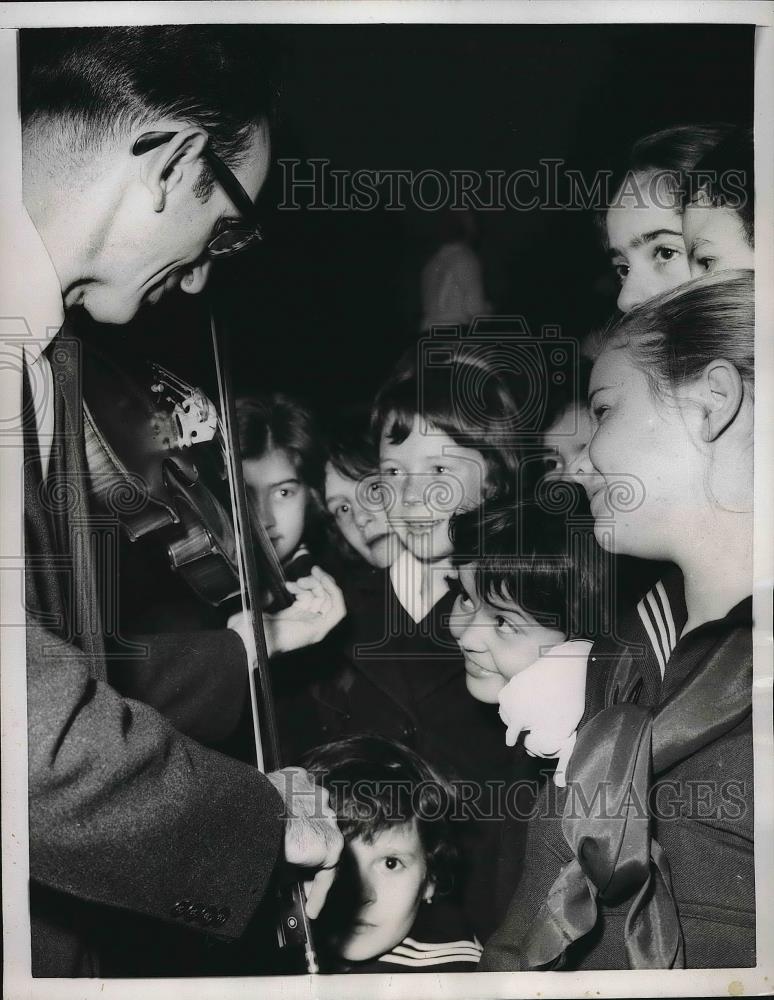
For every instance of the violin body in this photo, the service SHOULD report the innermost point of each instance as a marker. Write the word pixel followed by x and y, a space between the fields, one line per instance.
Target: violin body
pixel 143 468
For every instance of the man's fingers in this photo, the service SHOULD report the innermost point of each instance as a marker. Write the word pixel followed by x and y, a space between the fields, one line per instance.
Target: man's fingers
pixel 317 891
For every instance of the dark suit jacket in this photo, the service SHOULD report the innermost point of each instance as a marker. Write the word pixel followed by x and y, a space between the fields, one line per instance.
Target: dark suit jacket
pixel 125 812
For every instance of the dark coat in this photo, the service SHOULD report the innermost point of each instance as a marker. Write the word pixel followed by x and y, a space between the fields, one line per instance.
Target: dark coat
pixel 125 813
pixel 703 820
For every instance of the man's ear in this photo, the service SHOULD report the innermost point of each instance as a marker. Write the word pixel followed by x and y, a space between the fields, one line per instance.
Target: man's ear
pixel 163 168
pixel 723 394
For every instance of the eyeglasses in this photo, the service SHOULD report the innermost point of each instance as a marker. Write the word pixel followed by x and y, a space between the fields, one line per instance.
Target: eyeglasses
pixel 231 235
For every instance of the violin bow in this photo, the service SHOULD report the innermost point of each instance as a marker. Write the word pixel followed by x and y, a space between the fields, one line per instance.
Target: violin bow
pixel 293 931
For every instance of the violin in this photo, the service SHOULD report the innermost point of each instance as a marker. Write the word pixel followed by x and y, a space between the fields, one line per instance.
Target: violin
pixel 157 459
pixel 163 459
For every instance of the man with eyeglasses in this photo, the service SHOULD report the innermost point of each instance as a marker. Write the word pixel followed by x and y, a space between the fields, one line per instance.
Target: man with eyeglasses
pixel 143 153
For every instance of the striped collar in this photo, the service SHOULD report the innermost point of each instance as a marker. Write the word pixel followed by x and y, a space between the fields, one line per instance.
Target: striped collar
pixel 663 616
pixel 418 955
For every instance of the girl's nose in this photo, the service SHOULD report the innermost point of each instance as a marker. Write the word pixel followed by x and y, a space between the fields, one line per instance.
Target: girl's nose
pixel 637 288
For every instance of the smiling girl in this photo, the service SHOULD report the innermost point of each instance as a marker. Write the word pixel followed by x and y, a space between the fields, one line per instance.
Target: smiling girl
pixel 671 396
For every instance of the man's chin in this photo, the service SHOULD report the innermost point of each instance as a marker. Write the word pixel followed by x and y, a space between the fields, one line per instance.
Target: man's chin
pixel 103 308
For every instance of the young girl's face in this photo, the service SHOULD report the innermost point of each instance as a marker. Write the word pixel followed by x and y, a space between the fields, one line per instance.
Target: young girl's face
pixel 566 441
pixel 715 239
pixel 647 460
pixel 498 640
pixel 426 479
pixel 358 510
pixel 392 873
pixel 645 239
pixel 278 499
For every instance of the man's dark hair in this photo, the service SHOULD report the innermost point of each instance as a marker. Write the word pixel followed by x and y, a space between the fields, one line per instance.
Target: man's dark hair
pixel 525 554
pixel 726 178
pixel 97 83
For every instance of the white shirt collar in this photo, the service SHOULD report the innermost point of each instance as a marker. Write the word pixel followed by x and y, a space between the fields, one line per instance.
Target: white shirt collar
pixel 418 585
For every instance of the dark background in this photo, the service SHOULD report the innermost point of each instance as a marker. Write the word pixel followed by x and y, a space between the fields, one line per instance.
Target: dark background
pixel 330 299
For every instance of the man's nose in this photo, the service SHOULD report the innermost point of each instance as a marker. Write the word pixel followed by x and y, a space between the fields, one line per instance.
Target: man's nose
pixel 195 278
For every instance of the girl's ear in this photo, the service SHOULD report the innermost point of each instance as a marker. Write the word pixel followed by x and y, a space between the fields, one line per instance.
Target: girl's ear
pixel 723 392
pixel 427 895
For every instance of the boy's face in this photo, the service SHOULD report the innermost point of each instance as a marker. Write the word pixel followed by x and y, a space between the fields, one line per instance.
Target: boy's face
pixel 393 877
pixel 427 478
pixel 714 238
pixel 498 640
pixel 278 499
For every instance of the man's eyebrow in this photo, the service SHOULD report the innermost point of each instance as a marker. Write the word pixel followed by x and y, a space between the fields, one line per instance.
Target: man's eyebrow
pixel 644 238
pixel 599 388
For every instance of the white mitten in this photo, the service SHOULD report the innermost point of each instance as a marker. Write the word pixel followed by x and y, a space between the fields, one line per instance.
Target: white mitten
pixel 547 699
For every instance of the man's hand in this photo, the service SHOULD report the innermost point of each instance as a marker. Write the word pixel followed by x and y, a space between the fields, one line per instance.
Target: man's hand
pixel 318 607
pixel 547 699
pixel 312 835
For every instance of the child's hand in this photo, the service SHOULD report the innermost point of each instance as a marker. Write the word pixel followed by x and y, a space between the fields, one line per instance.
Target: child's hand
pixel 318 607
pixel 547 700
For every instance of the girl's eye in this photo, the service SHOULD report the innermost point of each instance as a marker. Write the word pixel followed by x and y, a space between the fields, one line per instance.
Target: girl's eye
pixel 391 864
pixel 622 270
pixel 503 625
pixel 665 254
pixel 465 601
pixel 342 510
pixel 391 471
pixel 440 470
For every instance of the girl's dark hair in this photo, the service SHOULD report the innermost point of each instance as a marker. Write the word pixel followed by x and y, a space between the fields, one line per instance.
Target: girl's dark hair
pixel 550 565
pixel 664 157
pixel 278 421
pixel 352 450
pixel 465 395
pixel 725 176
pixel 673 337
pixel 375 783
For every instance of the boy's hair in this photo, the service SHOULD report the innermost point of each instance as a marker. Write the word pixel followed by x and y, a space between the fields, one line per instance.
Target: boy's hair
pixel 467 397
pixel 99 83
pixel 375 784
pixel 550 566
pixel 726 178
